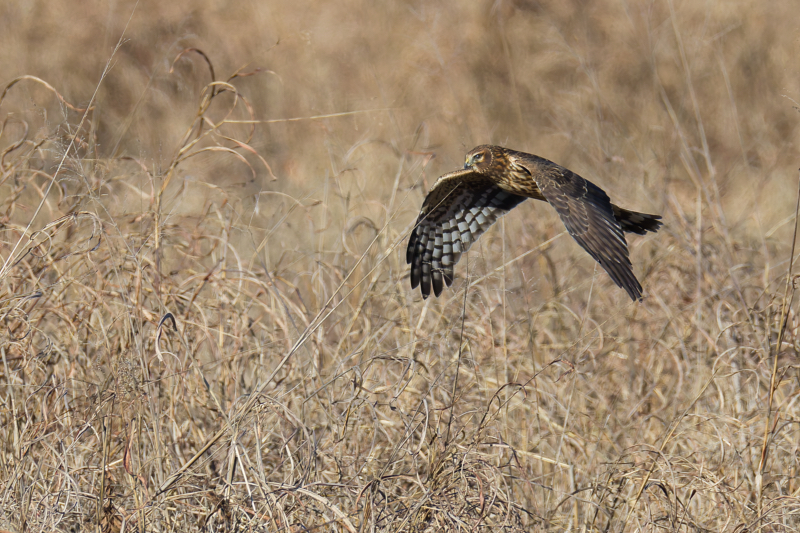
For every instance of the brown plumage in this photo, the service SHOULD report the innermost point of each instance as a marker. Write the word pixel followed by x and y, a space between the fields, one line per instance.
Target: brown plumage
pixel 463 204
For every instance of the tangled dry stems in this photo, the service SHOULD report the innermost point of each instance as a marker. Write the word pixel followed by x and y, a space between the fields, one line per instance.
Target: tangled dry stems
pixel 179 358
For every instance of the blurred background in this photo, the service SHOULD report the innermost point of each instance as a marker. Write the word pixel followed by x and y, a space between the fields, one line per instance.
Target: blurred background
pixel 272 219
pixel 630 94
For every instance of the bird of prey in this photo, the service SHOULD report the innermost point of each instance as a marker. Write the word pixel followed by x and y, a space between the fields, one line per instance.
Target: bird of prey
pixel 463 204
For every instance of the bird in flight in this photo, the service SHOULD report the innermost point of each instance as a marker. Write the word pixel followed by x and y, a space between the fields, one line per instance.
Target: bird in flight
pixel 463 204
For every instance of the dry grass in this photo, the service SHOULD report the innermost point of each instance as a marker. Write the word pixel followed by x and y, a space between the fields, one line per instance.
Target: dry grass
pixel 206 319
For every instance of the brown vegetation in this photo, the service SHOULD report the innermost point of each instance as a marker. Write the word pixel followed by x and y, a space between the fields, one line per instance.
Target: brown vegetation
pixel 207 323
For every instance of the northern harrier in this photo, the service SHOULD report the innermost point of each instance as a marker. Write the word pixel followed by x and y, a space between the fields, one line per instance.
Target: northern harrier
pixel 463 204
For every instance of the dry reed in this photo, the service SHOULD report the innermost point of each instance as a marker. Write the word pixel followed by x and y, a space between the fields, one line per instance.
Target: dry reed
pixel 206 318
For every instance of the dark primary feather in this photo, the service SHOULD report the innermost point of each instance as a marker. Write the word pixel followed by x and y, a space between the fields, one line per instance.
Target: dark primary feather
pixel 458 209
pixel 587 213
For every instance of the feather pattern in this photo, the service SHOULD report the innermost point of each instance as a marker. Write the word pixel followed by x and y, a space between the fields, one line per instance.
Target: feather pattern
pixel 459 208
pixel 463 204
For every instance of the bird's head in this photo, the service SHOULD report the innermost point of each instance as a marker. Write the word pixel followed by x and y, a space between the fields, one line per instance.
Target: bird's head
pixel 479 158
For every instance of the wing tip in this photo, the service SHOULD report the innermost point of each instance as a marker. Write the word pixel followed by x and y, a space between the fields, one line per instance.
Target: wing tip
pixel 633 288
pixel 635 293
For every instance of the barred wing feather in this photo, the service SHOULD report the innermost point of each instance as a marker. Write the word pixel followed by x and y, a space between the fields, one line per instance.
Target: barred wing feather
pixel 459 208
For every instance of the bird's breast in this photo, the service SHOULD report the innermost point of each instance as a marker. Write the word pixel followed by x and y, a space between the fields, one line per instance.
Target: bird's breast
pixel 520 183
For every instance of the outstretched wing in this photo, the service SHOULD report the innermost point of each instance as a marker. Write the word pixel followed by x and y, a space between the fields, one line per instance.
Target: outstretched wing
pixel 588 215
pixel 458 209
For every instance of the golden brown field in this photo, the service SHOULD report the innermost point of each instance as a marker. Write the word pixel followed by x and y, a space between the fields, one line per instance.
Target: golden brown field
pixel 207 323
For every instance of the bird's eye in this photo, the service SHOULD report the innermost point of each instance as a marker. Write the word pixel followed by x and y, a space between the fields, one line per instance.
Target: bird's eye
pixel 473 159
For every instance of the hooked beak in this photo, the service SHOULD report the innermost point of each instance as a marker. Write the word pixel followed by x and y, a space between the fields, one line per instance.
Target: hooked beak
pixel 466 164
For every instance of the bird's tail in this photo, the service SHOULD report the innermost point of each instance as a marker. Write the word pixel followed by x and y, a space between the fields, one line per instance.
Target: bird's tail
pixel 633 222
